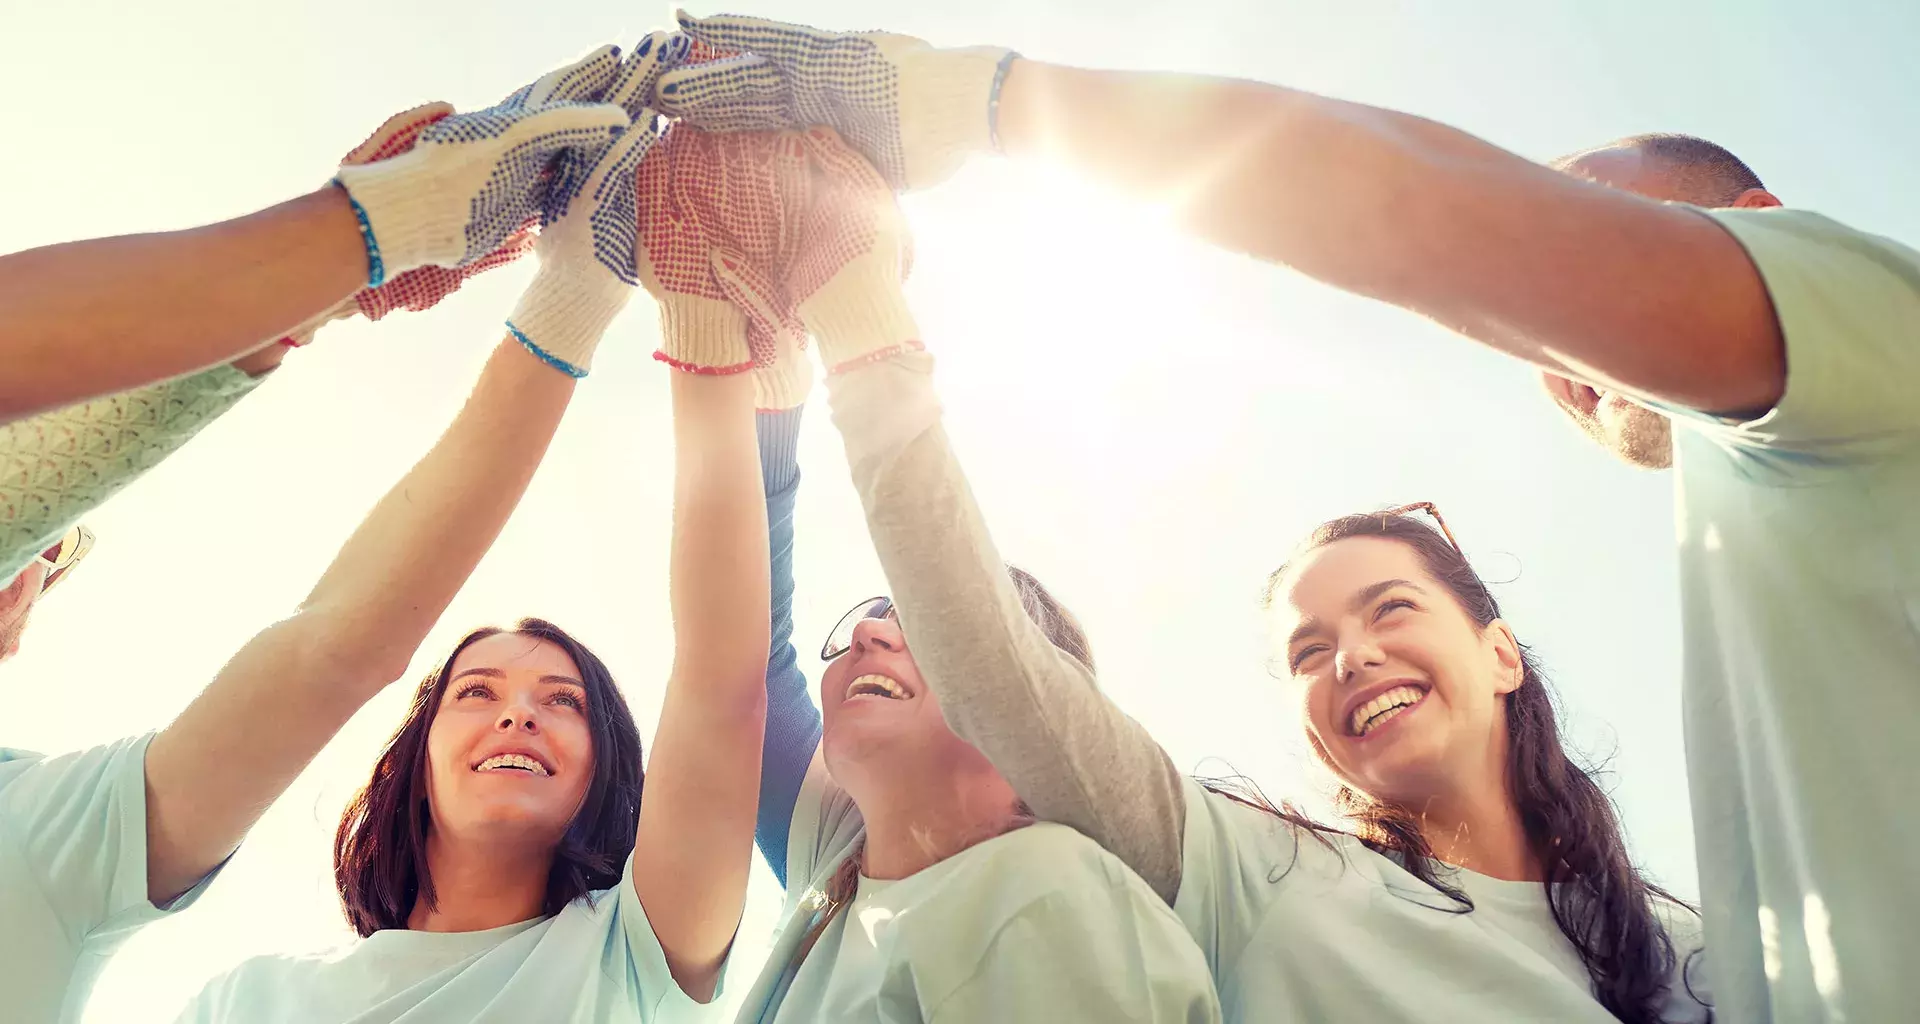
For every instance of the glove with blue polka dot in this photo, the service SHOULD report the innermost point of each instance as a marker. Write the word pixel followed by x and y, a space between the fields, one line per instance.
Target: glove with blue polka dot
pixel 472 180
pixel 914 111
pixel 588 265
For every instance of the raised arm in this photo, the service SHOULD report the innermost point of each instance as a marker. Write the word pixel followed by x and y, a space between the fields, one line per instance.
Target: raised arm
pixel 1573 277
pixel 241 742
pixel 1035 711
pixel 214 771
pixel 431 188
pixel 695 845
pixel 793 722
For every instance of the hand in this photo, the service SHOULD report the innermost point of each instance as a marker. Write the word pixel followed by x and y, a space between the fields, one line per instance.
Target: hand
pixel 714 229
pixel 588 263
pixel 422 287
pixel 915 112
pixel 472 180
pixel 855 254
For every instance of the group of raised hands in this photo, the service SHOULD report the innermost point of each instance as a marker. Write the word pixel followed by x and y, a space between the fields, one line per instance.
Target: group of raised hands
pixel 742 171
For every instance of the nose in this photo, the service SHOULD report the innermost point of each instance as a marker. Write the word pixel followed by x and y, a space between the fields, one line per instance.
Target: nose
pixel 883 634
pixel 518 716
pixel 1357 654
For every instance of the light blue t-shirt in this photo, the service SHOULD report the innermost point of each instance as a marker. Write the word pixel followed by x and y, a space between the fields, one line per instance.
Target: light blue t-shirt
pixel 1036 924
pixel 73 873
pixel 596 962
pixel 1295 928
pixel 1799 537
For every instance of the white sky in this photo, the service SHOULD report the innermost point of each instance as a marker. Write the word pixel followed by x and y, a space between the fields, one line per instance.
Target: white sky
pixel 1149 424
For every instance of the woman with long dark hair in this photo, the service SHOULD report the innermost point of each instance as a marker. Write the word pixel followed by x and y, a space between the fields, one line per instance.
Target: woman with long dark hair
pixel 500 863
pixel 1484 875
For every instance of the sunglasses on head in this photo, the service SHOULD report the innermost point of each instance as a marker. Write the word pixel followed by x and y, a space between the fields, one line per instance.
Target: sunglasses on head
pixel 62 557
pixel 840 640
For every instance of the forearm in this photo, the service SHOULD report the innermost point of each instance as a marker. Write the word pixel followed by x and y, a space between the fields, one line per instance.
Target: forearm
pixel 694 849
pixel 60 465
pixel 242 741
pixel 793 722
pixel 91 318
pixel 1570 276
pixel 1037 713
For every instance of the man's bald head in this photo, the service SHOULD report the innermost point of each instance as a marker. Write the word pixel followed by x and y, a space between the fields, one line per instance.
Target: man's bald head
pixel 1678 168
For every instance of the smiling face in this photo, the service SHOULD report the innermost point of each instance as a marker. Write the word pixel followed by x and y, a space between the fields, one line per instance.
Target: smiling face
pixel 510 751
pixel 1403 690
pixel 876 708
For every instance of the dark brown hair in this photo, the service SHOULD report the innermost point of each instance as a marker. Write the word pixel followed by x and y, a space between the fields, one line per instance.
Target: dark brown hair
pixel 1600 900
pixel 1065 632
pixel 380 848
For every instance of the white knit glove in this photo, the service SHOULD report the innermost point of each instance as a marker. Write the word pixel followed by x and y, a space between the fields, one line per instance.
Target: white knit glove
pixel 474 179
pixel 914 111
pixel 588 267
pixel 855 253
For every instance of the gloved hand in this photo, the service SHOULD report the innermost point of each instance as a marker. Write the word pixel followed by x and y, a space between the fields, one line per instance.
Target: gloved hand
pixel 854 256
pixel 588 263
pixel 422 287
pixel 914 111
pixel 472 180
pixel 714 232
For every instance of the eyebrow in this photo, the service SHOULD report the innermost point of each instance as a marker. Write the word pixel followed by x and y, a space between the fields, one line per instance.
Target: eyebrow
pixel 494 673
pixel 1365 597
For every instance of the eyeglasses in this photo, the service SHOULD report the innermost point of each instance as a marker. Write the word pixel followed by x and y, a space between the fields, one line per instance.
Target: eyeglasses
pixel 840 641
pixel 1430 509
pixel 62 557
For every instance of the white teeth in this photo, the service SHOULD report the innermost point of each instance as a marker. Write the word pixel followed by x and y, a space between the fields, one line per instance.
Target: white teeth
pixel 878 685
pixel 1369 716
pixel 511 761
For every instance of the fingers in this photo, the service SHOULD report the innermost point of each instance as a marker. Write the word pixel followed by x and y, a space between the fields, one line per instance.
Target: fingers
pixel 633 85
pixel 750 289
pixel 398 133
pixel 746 93
pixel 584 80
pixel 778 40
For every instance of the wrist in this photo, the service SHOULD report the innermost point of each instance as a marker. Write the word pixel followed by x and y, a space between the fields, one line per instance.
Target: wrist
pixel 703 336
pixel 564 314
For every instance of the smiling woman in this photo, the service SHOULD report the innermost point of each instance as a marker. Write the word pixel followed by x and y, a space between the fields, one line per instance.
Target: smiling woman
pixel 439 797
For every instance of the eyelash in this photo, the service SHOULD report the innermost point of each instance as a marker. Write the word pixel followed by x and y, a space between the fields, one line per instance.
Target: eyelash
pixel 569 699
pixel 1385 607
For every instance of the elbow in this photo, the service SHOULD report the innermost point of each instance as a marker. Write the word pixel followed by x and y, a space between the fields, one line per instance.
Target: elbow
pixel 354 654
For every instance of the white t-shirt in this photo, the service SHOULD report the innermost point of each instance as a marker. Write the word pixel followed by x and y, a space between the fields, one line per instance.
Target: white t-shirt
pixel 1799 555
pixel 1297 929
pixel 73 873
pixel 1037 924
pixel 593 962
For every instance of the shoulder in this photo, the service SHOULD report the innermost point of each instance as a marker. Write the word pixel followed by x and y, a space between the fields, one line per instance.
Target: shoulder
pixel 1808 260
pixel 258 982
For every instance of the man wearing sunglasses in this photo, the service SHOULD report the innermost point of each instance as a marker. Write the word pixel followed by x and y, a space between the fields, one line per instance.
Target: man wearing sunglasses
pixel 1769 357
pixel 40 576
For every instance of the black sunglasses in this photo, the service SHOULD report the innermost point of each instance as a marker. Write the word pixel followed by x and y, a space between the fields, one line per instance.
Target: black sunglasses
pixel 840 640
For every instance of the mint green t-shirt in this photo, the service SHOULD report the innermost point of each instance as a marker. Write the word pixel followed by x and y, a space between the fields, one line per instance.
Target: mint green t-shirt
pixel 596 961
pixel 1299 926
pixel 1799 536
pixel 1036 924
pixel 73 873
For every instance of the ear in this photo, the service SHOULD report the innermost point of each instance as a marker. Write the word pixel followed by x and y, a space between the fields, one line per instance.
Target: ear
pixel 1755 199
pixel 1506 653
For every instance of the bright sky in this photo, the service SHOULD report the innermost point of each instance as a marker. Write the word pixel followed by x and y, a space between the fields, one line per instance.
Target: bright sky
pixel 1149 424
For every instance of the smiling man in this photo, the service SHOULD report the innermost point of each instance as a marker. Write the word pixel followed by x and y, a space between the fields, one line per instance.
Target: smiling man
pixel 1769 356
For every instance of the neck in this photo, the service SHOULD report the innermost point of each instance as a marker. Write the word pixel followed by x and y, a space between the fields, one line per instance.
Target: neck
pixel 916 819
pixel 1481 831
pixel 478 886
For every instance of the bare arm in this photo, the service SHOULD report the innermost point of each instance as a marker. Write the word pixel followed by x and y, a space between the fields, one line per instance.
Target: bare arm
pixel 213 771
pixel 84 319
pixel 1580 279
pixel 695 844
